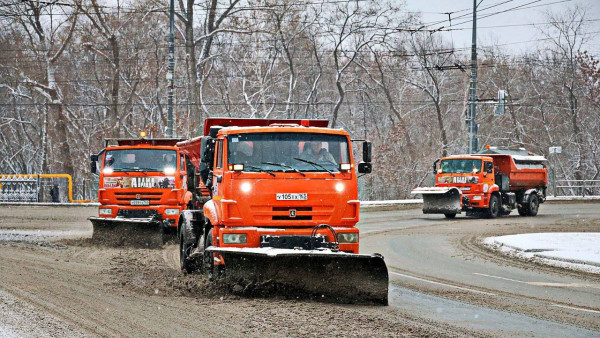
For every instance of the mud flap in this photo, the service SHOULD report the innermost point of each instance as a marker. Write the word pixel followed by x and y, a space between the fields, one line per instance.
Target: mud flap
pixel 127 232
pixel 338 276
pixel 440 200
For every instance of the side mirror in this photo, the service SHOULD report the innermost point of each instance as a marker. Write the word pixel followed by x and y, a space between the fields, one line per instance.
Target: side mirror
pixel 435 170
pixel 367 148
pixel 93 167
pixel 365 168
pixel 94 158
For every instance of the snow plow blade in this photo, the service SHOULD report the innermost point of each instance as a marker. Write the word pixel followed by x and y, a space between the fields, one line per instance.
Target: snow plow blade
pixel 338 276
pixel 127 232
pixel 440 200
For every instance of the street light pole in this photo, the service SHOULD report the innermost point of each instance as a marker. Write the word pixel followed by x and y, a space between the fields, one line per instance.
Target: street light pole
pixel 473 141
pixel 171 68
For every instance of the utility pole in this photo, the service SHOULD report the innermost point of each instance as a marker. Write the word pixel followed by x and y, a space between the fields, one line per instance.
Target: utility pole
pixel 171 69
pixel 473 141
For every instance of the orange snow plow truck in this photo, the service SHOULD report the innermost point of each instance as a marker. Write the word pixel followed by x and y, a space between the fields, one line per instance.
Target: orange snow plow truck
pixel 276 201
pixel 141 191
pixel 491 183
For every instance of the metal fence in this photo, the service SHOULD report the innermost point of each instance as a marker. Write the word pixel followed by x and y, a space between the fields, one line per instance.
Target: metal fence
pixel 577 188
pixel 36 188
pixel 17 188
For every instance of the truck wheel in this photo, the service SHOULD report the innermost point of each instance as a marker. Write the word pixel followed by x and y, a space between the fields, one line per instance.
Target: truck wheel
pixel 534 205
pixel 450 215
pixel 494 209
pixel 187 264
pixel 530 208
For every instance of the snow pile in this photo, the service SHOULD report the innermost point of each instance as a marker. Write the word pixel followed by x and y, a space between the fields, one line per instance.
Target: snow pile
pixel 573 250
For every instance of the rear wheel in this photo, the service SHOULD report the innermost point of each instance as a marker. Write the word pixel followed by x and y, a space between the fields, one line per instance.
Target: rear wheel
pixel 531 207
pixel 534 205
pixel 452 215
pixel 494 209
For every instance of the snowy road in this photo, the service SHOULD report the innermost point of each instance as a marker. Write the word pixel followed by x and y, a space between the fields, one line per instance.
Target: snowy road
pixel 443 282
pixel 472 287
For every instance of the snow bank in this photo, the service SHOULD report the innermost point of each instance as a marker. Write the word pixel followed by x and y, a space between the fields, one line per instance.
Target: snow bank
pixel 574 250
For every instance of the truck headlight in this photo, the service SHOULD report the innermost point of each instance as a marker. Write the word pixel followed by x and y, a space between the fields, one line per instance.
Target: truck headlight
pixel 171 212
pixel 348 238
pixel 476 198
pixel 234 238
pixel 105 211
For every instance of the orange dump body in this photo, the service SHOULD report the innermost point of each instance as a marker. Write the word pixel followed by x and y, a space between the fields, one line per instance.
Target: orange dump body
pixel 522 174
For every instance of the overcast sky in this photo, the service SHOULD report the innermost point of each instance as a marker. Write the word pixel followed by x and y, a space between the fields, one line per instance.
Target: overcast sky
pixel 528 14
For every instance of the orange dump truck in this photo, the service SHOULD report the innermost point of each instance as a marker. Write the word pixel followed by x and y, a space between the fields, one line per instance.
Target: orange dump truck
pixel 491 183
pixel 277 201
pixel 141 190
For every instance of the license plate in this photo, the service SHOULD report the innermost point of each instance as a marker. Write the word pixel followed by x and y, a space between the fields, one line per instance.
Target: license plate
pixel 292 197
pixel 140 202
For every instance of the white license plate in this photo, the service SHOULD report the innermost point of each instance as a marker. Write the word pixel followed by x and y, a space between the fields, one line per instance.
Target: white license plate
pixel 292 197
pixel 140 202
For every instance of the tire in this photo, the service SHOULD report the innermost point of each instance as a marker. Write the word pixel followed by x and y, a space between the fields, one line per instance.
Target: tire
pixel 208 261
pixel 494 209
pixel 450 216
pixel 533 205
pixel 188 265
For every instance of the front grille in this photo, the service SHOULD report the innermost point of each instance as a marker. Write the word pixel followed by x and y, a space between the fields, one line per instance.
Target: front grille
pixel 290 218
pixel 289 208
pixel 288 213
pixel 137 213
pixel 127 197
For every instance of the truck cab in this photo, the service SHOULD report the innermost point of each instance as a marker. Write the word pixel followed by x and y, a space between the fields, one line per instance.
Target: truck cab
pixel 472 175
pixel 141 179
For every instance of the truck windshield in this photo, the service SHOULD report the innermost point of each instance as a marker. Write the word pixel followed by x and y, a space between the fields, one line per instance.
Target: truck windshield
pixel 288 151
pixel 141 160
pixel 460 166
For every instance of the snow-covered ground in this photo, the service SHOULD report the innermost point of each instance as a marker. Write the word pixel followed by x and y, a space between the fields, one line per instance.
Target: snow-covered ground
pixel 574 250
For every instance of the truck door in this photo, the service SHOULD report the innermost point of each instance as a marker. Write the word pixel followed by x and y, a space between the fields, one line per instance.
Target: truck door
pixel 218 171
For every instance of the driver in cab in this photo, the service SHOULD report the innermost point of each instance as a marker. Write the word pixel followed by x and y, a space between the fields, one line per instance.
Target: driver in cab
pixel 315 152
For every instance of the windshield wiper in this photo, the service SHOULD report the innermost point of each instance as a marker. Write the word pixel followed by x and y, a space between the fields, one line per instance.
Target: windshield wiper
pixel 285 166
pixel 315 164
pixel 142 170
pixel 261 169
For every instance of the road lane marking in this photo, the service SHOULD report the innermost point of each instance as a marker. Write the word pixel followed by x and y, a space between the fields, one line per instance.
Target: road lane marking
pixel 443 284
pixel 558 285
pixel 575 308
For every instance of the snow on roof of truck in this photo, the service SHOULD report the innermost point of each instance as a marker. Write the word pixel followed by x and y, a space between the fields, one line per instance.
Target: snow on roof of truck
pixel 517 153
pixel 248 122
